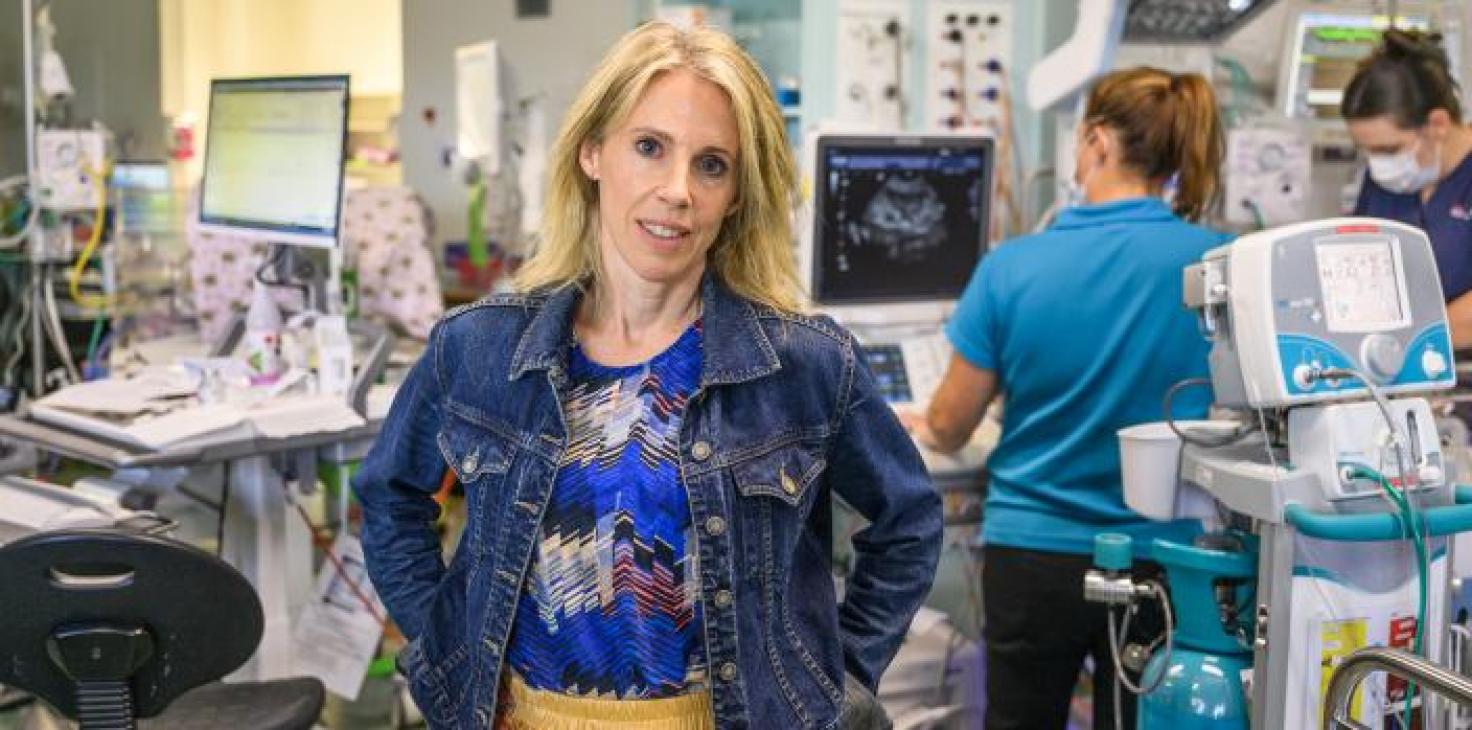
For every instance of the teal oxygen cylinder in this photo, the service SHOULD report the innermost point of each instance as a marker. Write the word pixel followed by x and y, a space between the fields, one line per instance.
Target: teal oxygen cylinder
pixel 1213 589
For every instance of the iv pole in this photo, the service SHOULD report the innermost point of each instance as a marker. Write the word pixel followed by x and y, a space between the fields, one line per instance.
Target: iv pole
pixel 38 278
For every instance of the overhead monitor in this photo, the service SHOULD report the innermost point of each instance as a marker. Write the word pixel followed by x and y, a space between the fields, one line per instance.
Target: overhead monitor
pixel 274 156
pixel 1322 53
pixel 896 220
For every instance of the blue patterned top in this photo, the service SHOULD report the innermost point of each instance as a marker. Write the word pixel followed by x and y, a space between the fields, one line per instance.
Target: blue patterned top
pixel 611 604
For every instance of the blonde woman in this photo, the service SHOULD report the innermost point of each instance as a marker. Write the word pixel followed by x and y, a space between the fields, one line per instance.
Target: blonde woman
pixel 650 435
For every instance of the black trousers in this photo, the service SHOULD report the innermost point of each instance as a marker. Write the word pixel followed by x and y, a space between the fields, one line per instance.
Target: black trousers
pixel 1038 631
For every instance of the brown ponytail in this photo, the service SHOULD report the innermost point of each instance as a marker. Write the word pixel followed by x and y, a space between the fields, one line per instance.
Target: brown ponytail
pixel 1167 125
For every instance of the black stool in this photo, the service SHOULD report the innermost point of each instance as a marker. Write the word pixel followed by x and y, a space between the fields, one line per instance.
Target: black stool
pixel 110 626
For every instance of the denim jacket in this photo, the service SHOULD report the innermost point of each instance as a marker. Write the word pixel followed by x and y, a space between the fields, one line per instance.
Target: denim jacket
pixel 785 415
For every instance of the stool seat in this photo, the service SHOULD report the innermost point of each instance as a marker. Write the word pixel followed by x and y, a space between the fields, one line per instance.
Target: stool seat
pixel 283 704
pixel 108 626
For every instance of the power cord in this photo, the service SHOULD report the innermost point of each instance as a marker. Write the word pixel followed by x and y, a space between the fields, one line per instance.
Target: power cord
pixel 1116 635
pixel 341 570
pixel 223 509
pixel 1407 511
pixel 300 268
pixel 1236 435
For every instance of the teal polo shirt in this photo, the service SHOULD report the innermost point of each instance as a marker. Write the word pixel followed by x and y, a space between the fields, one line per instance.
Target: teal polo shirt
pixel 1084 326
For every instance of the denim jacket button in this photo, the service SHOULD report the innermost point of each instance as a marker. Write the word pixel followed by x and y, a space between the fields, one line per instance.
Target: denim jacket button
pixel 788 485
pixel 723 598
pixel 715 525
pixel 701 450
pixel 470 462
pixel 482 719
pixel 491 646
pixel 727 672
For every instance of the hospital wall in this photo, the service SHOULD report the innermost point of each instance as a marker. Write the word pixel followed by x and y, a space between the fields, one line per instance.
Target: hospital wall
pixel 551 55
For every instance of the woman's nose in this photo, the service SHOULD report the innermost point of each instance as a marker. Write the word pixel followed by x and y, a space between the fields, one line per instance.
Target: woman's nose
pixel 676 188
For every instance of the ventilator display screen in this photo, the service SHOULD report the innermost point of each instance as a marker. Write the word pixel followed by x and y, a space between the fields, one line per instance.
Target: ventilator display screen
pixel 1362 286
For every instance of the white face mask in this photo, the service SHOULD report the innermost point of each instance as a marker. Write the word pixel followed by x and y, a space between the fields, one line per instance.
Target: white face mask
pixel 1402 173
pixel 1074 194
pixel 1075 191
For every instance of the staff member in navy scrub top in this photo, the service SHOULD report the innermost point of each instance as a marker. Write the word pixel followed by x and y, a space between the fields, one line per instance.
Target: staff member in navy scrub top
pixel 1404 113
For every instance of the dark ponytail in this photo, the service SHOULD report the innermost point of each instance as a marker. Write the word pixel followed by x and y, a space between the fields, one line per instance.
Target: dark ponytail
pixel 1406 78
pixel 1167 126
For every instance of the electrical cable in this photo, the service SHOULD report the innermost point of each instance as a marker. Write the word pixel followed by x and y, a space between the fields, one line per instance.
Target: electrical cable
pixel 1116 635
pixel 1413 532
pixel 10 293
pixel 52 319
pixel 99 221
pixel 93 341
pixel 1408 512
pixel 224 508
pixel 341 570
pixel 1145 687
pixel 300 269
pixel 1236 435
pixel 1256 210
pixel 17 340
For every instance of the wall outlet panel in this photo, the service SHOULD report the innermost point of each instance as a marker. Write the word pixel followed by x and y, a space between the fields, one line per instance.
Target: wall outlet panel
pixel 872 63
pixel 968 63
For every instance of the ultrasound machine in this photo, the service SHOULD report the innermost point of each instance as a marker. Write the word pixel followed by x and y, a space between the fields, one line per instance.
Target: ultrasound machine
pixel 896 227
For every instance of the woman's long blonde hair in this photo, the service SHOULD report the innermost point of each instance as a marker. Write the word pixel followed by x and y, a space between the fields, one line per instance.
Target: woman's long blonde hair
pixel 753 252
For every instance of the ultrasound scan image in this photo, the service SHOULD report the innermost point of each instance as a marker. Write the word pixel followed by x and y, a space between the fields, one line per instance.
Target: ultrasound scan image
pixel 899 224
pixel 904 219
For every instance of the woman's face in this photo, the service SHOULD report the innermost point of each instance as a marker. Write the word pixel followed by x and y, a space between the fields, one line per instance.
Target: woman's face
pixel 1380 136
pixel 666 180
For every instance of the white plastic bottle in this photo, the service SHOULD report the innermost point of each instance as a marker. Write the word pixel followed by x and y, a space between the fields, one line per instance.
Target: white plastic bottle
pixel 334 355
pixel 263 336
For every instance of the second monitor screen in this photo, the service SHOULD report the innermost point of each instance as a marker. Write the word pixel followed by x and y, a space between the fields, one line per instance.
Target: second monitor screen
pixel 899 222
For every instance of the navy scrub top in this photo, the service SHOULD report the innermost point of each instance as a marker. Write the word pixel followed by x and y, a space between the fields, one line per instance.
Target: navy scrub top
pixel 1446 218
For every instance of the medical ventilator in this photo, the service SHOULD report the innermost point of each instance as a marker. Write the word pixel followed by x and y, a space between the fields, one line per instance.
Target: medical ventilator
pixel 1328 496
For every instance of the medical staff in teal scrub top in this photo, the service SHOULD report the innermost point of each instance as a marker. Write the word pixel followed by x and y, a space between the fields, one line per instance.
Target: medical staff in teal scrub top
pixel 1081 328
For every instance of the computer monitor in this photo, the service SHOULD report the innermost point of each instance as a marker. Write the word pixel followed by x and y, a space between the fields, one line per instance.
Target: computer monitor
pixel 1321 54
pixel 899 223
pixel 145 197
pixel 273 165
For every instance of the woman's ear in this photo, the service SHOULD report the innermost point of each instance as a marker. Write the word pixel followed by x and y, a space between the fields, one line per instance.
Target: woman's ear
pixel 1100 143
pixel 1438 124
pixel 589 154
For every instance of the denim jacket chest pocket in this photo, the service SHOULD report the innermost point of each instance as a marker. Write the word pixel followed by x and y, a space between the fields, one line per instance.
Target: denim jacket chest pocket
pixel 776 490
pixel 482 457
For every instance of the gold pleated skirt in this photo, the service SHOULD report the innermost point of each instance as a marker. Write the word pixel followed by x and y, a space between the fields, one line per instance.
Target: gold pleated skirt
pixel 524 708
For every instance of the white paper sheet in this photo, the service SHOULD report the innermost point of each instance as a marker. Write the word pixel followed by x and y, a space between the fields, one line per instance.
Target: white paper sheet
pixel 336 637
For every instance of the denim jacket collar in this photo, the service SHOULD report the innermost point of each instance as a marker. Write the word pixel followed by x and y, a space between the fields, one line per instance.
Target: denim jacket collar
pixel 736 348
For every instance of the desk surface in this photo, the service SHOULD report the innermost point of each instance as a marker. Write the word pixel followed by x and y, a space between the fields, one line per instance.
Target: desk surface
pixel 222 446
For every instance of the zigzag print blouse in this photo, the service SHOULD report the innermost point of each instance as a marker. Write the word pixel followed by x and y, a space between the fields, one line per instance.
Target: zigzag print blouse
pixel 611 604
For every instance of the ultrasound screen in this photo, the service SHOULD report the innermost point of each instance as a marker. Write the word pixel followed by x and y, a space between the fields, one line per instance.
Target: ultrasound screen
pixel 899 221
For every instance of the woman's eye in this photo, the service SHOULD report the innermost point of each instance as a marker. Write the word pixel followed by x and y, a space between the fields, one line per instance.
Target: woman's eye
pixel 712 166
pixel 646 146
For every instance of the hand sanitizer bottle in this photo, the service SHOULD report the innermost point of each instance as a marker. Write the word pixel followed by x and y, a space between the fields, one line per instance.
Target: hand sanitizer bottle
pixel 263 336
